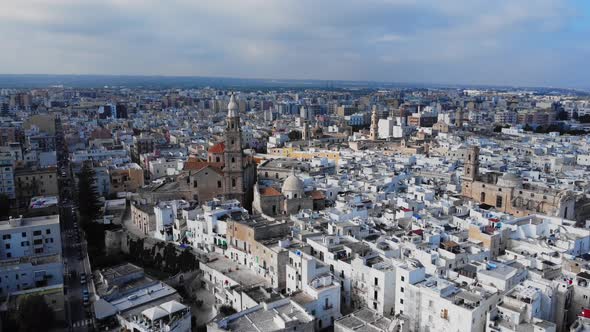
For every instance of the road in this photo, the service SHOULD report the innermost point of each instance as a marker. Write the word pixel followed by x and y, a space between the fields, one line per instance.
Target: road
pixel 74 253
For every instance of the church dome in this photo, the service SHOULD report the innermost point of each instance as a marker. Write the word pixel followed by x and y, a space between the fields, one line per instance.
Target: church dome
pixel 232 107
pixel 509 180
pixel 293 184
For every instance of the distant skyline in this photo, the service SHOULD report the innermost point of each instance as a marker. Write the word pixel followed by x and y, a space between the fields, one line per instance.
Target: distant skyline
pixel 502 42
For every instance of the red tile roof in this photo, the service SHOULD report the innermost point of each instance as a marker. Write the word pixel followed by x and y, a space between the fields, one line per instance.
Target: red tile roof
pixel 269 191
pixel 217 148
pixel 316 194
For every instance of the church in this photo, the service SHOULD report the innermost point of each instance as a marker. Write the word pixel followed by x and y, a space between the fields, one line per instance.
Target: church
pixel 289 200
pixel 507 192
pixel 227 172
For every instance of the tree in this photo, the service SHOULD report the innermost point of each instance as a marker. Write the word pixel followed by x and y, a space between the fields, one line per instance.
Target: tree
pixel 4 206
pixel 89 207
pixel 226 310
pixel 88 201
pixel 34 314
pixel 294 135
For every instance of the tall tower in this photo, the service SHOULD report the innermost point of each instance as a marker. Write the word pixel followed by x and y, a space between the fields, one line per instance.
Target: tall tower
pixel 471 164
pixel 306 134
pixel 459 118
pixel 233 170
pixel 374 125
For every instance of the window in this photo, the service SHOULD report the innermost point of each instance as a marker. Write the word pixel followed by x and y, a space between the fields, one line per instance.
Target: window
pixel 376 281
pixel 403 278
pixel 7 246
pixel 47 231
pixel 24 234
pixel 233 160
pixel 401 301
pixel 498 201
pixel 218 184
pixel 194 183
pixel 39 250
pixel 6 237
pixel 233 182
pixel 401 289
pixel 8 255
pixel 376 295
pixel 35 233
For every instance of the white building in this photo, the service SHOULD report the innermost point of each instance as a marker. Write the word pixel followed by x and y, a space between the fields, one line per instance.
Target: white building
pixel 313 286
pixel 162 167
pixel 171 316
pixel 7 176
pixel 30 253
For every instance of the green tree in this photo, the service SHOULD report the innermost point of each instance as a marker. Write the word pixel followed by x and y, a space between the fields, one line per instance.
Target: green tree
pixel 88 200
pixel 89 207
pixel 34 314
pixel 226 310
pixel 4 206
pixel 294 135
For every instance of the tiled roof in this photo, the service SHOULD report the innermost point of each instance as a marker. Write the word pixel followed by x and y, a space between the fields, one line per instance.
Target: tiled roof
pixel 217 148
pixel 270 191
pixel 316 194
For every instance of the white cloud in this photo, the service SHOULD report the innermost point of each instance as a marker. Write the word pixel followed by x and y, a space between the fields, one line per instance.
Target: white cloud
pixel 330 39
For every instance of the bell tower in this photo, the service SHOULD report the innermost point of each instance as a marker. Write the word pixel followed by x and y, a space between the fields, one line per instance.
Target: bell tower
pixel 233 169
pixel 471 164
pixel 374 125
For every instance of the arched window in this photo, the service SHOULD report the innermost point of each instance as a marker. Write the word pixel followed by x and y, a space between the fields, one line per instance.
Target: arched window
pixel 482 196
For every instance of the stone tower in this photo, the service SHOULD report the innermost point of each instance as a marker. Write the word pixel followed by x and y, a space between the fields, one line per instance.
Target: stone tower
pixel 306 134
pixel 233 170
pixel 459 118
pixel 471 164
pixel 374 125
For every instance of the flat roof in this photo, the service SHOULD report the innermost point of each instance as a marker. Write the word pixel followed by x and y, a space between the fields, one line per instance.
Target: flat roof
pixel 143 296
pixel 29 222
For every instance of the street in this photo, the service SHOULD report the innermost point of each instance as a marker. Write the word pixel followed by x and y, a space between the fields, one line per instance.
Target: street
pixel 75 258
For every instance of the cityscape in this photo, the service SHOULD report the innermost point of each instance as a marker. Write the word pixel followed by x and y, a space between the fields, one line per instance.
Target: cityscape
pixel 308 191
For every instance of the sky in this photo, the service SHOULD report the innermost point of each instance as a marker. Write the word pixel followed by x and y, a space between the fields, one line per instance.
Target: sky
pixel 500 42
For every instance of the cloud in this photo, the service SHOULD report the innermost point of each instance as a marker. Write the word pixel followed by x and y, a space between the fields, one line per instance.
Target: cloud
pixel 454 41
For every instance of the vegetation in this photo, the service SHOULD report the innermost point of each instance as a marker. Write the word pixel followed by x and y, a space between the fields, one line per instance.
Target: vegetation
pixel 89 206
pixel 294 135
pixel 554 128
pixel 4 206
pixel 227 310
pixel 498 128
pixel 165 257
pixel 34 315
